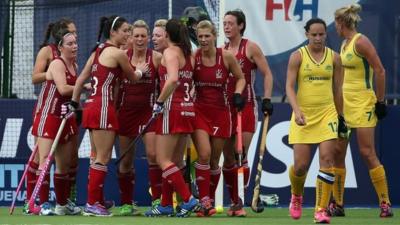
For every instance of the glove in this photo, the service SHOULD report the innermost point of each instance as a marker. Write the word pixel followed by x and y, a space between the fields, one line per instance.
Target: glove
pixel 68 109
pixel 380 110
pixel 158 108
pixel 267 107
pixel 343 131
pixel 238 101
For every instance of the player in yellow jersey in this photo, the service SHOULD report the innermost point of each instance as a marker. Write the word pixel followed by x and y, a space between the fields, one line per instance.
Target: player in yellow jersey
pixel 362 106
pixel 317 116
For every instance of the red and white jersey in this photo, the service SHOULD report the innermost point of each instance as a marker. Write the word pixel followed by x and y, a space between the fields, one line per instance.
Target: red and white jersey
pixel 141 93
pixel 211 81
pixel 180 99
pixel 103 80
pixel 249 70
pixel 54 53
pixel 50 99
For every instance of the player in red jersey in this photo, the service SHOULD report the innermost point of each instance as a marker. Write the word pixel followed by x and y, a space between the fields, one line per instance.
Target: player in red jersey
pixel 155 172
pixel 46 54
pixel 105 65
pixel 57 90
pixel 173 123
pixel 137 99
pixel 213 118
pixel 159 35
pixel 250 57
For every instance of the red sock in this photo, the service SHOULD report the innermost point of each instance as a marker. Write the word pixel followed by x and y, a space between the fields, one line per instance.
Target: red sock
pixel 214 179
pixel 167 193
pixel 61 183
pixel 174 176
pixel 31 179
pixel 155 179
pixel 97 175
pixel 126 186
pixel 203 179
pixel 246 172
pixel 45 188
pixel 230 177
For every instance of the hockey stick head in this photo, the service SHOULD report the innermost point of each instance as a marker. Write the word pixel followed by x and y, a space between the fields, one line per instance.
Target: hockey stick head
pixel 34 209
pixel 259 207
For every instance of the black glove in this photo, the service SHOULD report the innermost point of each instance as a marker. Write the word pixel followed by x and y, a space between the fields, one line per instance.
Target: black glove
pixel 158 108
pixel 68 109
pixel 238 101
pixel 267 107
pixel 380 110
pixel 342 128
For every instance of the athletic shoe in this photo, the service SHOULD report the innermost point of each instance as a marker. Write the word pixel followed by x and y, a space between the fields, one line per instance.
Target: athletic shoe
pixel 320 216
pixel 207 208
pixel 155 203
pixel 237 210
pixel 25 210
pixel 160 211
pixel 95 210
pixel 67 209
pixel 295 206
pixel 46 209
pixel 129 210
pixel 386 210
pixel 109 204
pixel 192 205
pixel 335 209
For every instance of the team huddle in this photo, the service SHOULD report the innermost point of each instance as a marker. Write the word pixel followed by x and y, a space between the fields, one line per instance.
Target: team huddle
pixel 175 95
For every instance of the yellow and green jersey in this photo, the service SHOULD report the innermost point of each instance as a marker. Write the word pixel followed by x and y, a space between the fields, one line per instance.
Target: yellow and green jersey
pixel 314 79
pixel 358 73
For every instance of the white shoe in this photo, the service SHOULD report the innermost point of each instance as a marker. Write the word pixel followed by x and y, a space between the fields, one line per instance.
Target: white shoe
pixel 67 209
pixel 46 209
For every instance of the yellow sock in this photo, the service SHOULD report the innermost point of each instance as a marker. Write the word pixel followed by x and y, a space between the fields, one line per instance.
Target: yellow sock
pixel 338 185
pixel 323 189
pixel 297 183
pixel 378 178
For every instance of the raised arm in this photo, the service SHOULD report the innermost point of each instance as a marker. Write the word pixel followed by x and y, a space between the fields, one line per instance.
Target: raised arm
pixel 123 62
pixel 85 74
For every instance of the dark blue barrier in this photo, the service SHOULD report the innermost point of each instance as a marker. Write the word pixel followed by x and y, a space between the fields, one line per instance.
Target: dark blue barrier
pixel 16 142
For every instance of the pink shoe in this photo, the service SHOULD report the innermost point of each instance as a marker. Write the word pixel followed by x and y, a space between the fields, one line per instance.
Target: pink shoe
pixel 320 216
pixel 295 206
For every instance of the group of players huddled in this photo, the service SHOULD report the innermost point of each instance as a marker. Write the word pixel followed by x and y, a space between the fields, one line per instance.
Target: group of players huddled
pixel 176 92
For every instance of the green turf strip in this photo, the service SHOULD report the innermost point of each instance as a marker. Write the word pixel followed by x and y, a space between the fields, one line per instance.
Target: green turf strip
pixel 276 216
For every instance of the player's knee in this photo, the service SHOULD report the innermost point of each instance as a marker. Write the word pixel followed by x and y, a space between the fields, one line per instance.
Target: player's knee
pixel 301 169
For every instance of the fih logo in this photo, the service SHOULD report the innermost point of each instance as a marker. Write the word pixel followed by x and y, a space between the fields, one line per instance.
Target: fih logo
pixel 278 25
pixel 300 6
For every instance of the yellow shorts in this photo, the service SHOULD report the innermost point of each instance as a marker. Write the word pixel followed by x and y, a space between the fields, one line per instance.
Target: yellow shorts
pixel 321 125
pixel 359 108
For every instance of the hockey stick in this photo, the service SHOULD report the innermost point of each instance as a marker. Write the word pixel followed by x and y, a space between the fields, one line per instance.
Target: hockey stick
pixel 239 148
pixel 36 209
pixel 137 138
pixel 188 159
pixel 256 204
pixel 12 207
